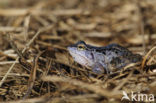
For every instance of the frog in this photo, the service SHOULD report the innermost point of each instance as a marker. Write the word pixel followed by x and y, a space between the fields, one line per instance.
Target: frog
pixel 102 60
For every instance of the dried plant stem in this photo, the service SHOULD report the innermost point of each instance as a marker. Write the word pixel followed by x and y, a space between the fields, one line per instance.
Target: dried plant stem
pixel 21 12
pixel 32 76
pixel 123 83
pixel 6 75
pixel 94 88
pixel 146 56
pixel 8 62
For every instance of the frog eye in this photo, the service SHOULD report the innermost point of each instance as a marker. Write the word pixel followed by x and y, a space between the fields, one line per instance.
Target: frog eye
pixel 81 47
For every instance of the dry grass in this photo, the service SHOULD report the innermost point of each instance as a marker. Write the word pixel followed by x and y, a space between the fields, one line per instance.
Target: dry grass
pixel 36 67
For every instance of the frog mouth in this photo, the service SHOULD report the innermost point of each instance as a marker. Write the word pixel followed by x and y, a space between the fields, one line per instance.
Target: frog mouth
pixel 84 59
pixel 78 57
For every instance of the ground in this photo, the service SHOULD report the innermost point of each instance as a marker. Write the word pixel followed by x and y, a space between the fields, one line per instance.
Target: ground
pixel 35 65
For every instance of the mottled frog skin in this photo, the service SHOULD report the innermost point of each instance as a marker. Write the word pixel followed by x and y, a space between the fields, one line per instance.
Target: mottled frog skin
pixel 108 59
